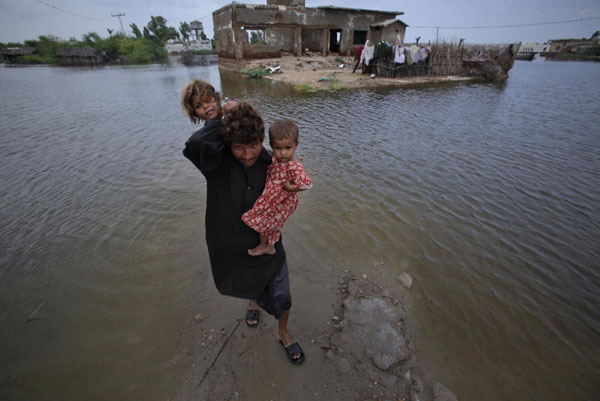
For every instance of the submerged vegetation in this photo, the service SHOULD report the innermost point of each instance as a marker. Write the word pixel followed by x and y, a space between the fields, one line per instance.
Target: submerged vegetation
pixel 256 72
pixel 333 84
pixel 144 47
pixel 305 88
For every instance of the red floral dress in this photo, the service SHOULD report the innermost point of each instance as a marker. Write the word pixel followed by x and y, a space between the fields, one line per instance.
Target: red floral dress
pixel 276 205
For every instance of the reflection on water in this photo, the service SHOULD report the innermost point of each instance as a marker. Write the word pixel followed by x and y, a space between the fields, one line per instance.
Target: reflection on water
pixel 488 195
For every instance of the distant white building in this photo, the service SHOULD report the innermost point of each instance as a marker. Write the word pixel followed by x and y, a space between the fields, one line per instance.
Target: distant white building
pixel 200 45
pixel 195 41
pixel 173 47
pixel 534 47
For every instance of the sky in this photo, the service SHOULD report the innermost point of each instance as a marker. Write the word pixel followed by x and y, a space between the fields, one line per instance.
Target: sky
pixel 27 19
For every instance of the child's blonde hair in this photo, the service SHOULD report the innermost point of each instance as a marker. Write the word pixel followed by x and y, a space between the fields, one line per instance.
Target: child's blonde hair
pixel 283 129
pixel 201 89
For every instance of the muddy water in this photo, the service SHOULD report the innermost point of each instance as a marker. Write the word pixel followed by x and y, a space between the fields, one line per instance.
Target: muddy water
pixel 487 195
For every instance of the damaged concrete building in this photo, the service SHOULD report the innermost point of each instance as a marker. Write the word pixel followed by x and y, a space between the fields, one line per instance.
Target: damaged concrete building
pixel 245 31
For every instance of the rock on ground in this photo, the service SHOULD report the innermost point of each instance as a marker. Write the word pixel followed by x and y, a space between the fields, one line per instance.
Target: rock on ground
pixel 442 393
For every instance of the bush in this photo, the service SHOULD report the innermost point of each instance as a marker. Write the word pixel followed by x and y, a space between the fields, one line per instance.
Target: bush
pixel 305 88
pixel 256 72
pixel 34 59
pixel 592 51
pixel 144 51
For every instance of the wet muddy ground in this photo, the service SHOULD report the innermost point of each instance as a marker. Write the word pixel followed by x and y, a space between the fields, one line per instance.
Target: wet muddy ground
pixel 362 350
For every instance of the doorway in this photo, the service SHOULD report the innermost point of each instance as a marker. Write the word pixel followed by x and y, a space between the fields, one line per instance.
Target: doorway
pixel 335 40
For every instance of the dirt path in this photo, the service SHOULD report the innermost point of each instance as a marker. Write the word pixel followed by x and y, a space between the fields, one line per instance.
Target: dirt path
pixel 358 347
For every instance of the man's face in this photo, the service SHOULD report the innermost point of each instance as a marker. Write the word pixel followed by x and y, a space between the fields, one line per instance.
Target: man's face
pixel 247 154
pixel 207 110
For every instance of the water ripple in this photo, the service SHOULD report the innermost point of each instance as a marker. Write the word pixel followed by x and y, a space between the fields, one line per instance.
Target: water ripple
pixel 487 194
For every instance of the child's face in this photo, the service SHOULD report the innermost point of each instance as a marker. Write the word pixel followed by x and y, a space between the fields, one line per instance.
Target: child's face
pixel 284 149
pixel 207 110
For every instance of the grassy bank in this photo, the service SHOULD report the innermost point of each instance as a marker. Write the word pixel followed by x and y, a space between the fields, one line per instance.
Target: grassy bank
pixel 120 49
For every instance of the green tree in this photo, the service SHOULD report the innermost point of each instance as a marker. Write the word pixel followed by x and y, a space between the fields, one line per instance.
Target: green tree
pixel 257 37
pixel 159 29
pixel 111 46
pixel 11 44
pixel 45 48
pixel 203 35
pixel 110 31
pixel 136 31
pixel 185 30
pixel 91 39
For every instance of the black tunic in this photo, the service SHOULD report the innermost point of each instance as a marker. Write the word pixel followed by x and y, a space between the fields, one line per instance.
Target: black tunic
pixel 232 190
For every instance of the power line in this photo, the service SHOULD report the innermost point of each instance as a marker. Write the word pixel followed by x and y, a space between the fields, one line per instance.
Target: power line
pixel 65 11
pixel 507 26
pixel 207 15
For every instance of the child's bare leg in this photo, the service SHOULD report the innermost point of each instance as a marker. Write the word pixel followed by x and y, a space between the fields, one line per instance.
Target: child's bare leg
pixel 263 247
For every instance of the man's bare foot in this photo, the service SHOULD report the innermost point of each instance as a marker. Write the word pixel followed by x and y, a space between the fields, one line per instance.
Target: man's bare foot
pixel 261 250
pixel 292 348
pixel 252 314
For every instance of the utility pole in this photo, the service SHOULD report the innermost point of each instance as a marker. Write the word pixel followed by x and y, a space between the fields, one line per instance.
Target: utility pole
pixel 120 22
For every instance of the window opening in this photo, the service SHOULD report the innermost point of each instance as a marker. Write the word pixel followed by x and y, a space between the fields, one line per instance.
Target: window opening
pixel 255 36
pixel 359 37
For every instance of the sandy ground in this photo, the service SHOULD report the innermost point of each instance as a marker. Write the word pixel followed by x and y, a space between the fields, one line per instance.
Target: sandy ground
pixel 312 70
pixel 354 334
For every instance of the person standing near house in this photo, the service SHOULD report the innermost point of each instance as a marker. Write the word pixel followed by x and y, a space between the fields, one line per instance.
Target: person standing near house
pixel 357 58
pixel 230 155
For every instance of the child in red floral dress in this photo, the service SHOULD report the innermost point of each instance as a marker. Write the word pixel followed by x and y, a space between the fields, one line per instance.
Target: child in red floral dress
pixel 285 178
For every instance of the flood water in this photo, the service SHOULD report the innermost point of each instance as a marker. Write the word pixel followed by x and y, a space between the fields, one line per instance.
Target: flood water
pixel 488 195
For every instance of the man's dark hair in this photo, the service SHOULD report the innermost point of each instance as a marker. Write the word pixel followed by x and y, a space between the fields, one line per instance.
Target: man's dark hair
pixel 243 125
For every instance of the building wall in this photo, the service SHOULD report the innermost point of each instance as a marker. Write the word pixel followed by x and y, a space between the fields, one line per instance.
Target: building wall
pixel 223 26
pixel 283 21
pixel 312 39
pixel 534 47
pixel 283 37
pixel 393 34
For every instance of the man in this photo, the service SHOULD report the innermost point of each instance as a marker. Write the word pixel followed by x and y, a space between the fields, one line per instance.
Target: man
pixel 230 155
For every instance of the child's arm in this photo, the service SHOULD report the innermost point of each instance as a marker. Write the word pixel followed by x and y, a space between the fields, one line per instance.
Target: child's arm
pixel 301 180
pixel 292 188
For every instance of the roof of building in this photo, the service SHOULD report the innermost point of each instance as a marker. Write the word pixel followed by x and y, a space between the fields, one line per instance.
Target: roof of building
pixel 17 51
pixel 196 25
pixel 275 7
pixel 385 23
pixel 359 9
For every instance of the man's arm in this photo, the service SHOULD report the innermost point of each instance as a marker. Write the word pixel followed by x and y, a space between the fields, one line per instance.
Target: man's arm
pixel 205 147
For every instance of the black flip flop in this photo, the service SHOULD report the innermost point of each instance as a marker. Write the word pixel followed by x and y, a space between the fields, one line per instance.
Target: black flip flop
pixel 293 349
pixel 252 314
